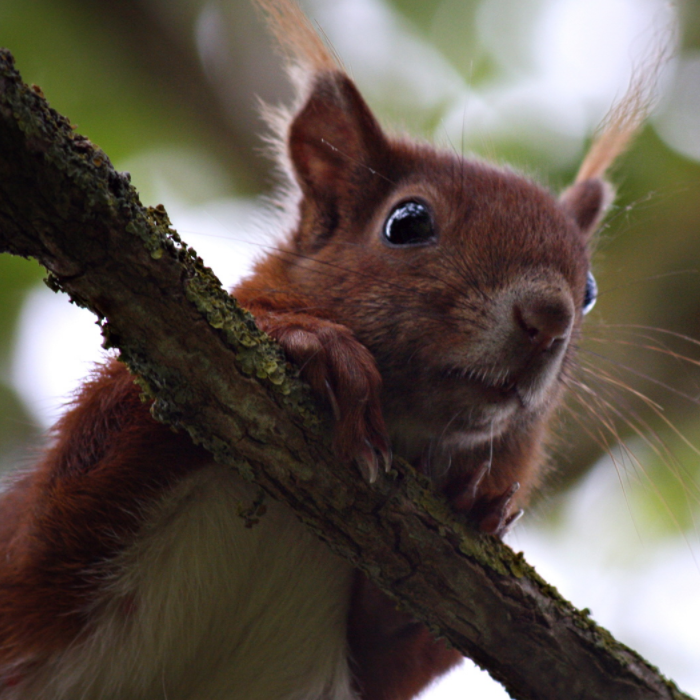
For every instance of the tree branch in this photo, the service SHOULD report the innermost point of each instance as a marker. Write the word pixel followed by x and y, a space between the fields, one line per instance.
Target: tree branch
pixel 215 375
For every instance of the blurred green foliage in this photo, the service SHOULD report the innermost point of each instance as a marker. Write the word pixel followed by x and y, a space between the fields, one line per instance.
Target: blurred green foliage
pixel 82 68
pixel 105 66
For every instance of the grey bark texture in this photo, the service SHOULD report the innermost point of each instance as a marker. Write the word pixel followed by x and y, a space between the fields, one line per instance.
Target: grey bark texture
pixel 214 374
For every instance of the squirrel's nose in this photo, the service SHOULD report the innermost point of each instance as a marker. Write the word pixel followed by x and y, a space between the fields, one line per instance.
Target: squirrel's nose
pixel 544 319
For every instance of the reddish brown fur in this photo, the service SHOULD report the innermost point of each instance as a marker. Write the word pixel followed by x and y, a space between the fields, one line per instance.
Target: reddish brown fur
pixel 335 256
pixel 392 656
pixel 399 340
pixel 80 506
pixel 336 290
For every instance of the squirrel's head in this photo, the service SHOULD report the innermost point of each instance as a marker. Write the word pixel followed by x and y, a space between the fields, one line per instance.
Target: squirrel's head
pixel 468 282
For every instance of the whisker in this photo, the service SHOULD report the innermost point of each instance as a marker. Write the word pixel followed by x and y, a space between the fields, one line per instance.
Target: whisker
pixel 602 374
pixel 642 375
pixel 652 348
pixel 354 161
pixel 662 331
pixel 670 457
pixel 642 470
pixel 644 280
pixel 609 424
pixel 600 438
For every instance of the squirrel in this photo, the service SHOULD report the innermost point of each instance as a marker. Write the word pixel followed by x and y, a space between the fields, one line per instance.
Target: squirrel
pixel 433 301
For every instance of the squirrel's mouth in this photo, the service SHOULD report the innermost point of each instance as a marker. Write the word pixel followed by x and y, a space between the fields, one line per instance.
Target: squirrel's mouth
pixel 500 388
pixel 527 388
pixel 493 388
pixel 468 406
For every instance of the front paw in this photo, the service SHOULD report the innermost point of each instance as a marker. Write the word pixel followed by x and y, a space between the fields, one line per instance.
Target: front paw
pixel 493 514
pixel 341 369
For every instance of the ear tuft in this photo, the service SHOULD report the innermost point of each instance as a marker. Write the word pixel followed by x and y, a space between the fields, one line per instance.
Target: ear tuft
pixel 627 116
pixel 586 203
pixel 296 37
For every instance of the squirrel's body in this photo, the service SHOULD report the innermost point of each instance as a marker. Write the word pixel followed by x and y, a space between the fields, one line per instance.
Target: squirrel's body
pixel 195 606
pixel 433 302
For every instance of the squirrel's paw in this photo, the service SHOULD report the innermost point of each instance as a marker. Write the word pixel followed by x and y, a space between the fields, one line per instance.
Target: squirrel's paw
pixel 494 515
pixel 342 370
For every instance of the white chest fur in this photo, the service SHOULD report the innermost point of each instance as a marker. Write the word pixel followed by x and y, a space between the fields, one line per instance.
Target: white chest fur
pixel 202 607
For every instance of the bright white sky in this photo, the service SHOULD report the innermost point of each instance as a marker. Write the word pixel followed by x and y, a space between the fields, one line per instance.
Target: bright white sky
pixel 581 54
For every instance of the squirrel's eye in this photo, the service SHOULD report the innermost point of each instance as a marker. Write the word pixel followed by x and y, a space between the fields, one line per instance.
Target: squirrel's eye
pixel 591 293
pixel 409 223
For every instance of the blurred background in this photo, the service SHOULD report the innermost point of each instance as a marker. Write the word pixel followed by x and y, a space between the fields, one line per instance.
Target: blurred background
pixel 169 88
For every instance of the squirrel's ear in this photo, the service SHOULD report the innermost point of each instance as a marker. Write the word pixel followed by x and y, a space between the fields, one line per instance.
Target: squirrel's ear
pixel 333 139
pixel 586 202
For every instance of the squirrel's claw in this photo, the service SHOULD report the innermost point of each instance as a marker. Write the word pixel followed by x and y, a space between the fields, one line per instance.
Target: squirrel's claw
pixel 371 458
pixel 342 370
pixel 492 515
pixel 510 521
pixel 498 518
pixel 468 494
pixel 366 460
pixel 332 400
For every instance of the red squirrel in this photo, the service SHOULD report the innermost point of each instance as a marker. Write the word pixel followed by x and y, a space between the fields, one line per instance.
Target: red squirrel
pixel 433 301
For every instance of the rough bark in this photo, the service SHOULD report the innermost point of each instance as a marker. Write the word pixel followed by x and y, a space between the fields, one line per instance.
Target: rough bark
pixel 215 375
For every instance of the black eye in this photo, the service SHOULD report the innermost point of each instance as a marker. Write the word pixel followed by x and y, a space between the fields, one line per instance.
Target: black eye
pixel 591 293
pixel 409 223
